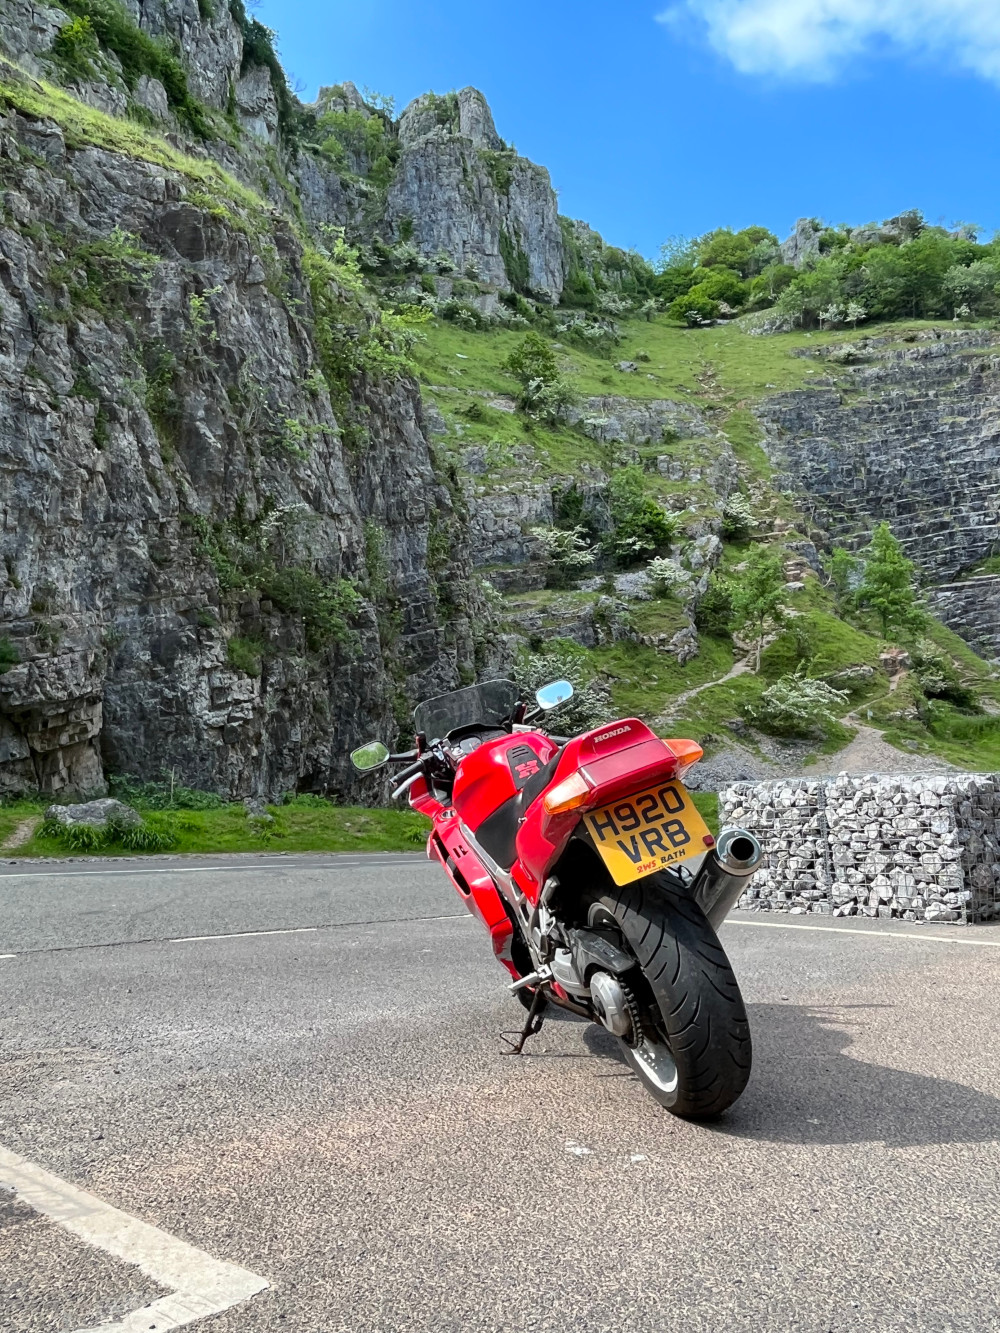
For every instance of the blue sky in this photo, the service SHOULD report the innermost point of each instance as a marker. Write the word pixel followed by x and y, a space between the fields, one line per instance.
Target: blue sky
pixel 666 117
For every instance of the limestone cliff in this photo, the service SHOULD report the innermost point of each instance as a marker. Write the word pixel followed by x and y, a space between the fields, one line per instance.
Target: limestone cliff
pixel 235 538
pixel 182 506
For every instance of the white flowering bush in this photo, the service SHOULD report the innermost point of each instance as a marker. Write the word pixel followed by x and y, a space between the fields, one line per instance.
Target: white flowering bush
pixel 567 552
pixel 591 703
pixel 666 577
pixel 738 518
pixel 547 400
pixel 797 705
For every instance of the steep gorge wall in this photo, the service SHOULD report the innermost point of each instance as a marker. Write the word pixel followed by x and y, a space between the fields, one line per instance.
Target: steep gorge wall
pixel 161 408
pixel 908 431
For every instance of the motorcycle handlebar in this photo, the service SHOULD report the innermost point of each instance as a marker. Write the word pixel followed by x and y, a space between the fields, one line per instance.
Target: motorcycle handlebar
pixel 411 772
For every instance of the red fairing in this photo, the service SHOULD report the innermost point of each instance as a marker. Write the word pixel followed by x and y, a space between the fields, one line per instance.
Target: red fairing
pixel 615 760
pixel 473 882
pixel 496 771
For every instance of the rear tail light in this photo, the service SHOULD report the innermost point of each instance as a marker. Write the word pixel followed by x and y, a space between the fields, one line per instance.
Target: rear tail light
pixel 571 794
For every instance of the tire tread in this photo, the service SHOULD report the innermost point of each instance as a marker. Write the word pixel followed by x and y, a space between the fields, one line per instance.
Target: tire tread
pixel 697 993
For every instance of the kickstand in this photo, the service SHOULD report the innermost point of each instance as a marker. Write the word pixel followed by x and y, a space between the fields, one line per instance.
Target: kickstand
pixel 532 1025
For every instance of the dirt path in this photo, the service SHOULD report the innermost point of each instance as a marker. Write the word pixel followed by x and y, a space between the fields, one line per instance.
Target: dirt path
pixel 740 669
pixel 22 834
pixel 869 753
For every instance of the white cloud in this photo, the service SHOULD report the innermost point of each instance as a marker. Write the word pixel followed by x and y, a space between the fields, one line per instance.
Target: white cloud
pixel 817 39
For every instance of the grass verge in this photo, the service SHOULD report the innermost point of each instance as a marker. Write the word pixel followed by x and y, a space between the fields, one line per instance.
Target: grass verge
pixel 306 824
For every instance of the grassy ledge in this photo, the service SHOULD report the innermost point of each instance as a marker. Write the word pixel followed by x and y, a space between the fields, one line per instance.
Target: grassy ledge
pixel 86 127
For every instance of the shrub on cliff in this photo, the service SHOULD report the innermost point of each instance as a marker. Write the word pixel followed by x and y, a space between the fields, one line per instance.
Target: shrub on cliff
pixel 796 705
pixel 756 596
pixel 938 678
pixel 109 23
pixel 693 309
pixel 532 359
pixel 714 611
pixel 640 528
pixel 738 518
pixel 544 393
pixel 591 703
pixel 567 553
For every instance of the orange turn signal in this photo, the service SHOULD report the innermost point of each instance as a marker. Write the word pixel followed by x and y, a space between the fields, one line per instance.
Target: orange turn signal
pixel 687 754
pixel 569 795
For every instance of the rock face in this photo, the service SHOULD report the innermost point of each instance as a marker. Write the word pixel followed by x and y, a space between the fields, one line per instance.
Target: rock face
pixel 459 191
pixel 908 432
pixel 209 39
pixel 803 244
pixel 917 849
pixel 972 609
pixel 164 426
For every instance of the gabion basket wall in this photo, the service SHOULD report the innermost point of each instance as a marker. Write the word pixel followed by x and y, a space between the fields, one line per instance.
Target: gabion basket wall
pixel 910 848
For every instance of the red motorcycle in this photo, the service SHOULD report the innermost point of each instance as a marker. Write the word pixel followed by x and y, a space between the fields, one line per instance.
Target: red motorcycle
pixel 598 880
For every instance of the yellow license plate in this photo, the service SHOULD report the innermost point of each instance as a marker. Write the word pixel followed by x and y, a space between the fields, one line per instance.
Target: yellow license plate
pixel 641 834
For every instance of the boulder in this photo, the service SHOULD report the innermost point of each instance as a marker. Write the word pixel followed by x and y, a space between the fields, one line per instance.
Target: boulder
pixel 95 814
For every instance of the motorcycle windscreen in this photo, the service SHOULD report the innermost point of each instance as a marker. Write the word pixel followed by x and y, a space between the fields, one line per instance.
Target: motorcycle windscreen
pixel 644 833
pixel 489 705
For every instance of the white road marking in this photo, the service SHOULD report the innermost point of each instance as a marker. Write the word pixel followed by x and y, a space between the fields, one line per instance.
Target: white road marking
pixel 200 870
pixel 8 955
pixel 299 930
pixel 242 935
pixel 202 1286
pixel 916 936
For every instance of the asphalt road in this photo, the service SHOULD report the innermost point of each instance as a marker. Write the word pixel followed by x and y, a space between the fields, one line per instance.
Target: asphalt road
pixel 329 1108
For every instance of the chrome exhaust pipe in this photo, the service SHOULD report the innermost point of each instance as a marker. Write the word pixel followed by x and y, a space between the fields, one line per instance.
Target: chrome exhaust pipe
pixel 724 873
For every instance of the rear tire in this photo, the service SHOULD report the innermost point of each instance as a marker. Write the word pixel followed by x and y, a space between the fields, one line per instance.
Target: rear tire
pixel 695 1054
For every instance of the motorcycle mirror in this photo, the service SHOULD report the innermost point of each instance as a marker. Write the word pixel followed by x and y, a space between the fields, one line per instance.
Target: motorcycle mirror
pixel 370 756
pixel 552 695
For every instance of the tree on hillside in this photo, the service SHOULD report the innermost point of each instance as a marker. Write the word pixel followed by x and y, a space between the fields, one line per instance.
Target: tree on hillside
pixel 887 587
pixel 974 286
pixel 544 394
pixel 532 359
pixel 756 597
pixel 640 528
pixel 845 571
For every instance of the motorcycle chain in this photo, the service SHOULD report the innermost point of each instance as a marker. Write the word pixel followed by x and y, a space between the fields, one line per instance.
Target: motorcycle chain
pixel 635 1013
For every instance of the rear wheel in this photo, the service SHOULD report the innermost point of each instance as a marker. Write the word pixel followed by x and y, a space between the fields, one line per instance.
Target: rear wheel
pixel 690 1044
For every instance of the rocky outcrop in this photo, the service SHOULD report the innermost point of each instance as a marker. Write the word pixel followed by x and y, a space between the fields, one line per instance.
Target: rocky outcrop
pixel 208 37
pixel 614 419
pixel 222 72
pixel 27 31
pixel 180 508
pixel 803 244
pixel 460 192
pixel 972 609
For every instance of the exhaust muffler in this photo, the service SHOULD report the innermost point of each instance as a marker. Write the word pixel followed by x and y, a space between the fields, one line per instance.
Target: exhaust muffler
pixel 724 873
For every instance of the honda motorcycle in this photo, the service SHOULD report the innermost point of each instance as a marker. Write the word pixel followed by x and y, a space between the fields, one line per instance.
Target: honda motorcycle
pixel 599 882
